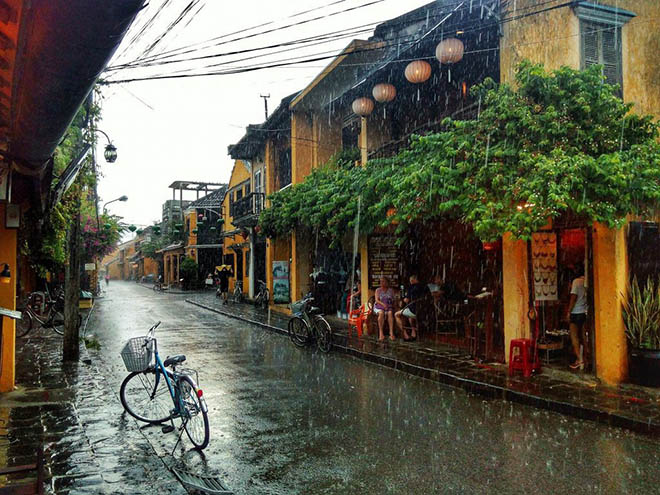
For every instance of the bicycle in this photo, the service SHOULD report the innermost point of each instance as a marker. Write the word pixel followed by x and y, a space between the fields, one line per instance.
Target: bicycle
pixel 308 325
pixel 237 294
pixel 146 391
pixel 51 317
pixel 263 296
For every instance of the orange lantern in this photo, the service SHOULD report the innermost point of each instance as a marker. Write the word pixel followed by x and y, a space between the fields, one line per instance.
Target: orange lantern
pixel 450 51
pixel 363 106
pixel 418 71
pixel 384 92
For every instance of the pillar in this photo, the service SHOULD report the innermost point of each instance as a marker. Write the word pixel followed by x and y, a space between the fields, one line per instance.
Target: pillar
pixel 515 291
pixel 300 268
pixel 363 141
pixel 610 277
pixel 251 264
pixel 8 300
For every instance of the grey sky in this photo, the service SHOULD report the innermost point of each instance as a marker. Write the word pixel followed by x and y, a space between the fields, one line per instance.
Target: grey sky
pixel 185 133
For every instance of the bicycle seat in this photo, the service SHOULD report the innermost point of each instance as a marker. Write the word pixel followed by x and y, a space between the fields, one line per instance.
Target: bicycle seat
pixel 314 311
pixel 180 358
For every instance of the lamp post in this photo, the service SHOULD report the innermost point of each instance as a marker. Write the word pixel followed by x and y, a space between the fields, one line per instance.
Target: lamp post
pixel 120 198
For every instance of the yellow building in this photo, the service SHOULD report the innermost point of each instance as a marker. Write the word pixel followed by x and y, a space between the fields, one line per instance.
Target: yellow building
pixel 622 35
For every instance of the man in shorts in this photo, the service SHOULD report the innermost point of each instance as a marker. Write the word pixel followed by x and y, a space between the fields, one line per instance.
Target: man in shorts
pixel 409 312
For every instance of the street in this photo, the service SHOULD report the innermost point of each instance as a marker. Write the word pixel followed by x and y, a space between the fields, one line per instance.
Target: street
pixel 287 420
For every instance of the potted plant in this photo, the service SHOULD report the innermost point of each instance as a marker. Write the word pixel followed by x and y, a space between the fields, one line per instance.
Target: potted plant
pixel 641 316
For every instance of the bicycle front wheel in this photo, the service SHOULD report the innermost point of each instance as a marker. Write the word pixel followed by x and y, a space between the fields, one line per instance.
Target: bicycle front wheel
pixel 24 325
pixel 323 334
pixel 194 415
pixel 265 299
pixel 299 332
pixel 145 400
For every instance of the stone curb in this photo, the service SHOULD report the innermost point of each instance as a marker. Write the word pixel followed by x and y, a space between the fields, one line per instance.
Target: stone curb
pixel 489 390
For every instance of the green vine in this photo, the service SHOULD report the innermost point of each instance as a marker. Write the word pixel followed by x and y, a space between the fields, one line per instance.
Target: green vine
pixel 553 143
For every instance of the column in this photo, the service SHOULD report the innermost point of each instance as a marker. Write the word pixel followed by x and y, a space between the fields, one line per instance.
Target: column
pixel 251 281
pixel 610 277
pixel 363 140
pixel 515 291
pixel 8 300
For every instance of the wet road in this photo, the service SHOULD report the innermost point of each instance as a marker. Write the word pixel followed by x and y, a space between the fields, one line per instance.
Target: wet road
pixel 286 420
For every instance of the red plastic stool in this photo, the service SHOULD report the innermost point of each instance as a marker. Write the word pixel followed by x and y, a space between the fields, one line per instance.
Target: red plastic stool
pixel 526 359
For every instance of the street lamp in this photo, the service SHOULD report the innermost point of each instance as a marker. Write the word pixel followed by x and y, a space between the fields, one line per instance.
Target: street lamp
pixel 110 152
pixel 5 274
pixel 120 198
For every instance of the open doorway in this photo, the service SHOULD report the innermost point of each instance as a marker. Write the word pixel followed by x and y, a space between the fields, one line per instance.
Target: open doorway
pixel 560 275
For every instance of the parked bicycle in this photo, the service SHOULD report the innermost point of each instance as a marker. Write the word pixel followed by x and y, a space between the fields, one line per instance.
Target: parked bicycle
pixel 263 296
pixel 154 394
pixel 236 296
pixel 308 325
pixel 50 315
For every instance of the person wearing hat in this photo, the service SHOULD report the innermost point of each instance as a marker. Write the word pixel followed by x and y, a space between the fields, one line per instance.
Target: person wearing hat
pixel 223 288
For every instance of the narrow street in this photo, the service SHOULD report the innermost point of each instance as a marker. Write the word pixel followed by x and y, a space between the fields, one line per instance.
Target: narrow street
pixel 286 420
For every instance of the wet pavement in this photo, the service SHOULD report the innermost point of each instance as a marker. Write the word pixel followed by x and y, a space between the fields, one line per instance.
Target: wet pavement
pixel 286 420
pixel 569 392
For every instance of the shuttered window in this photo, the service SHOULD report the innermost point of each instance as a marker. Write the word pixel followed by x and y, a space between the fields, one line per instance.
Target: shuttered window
pixel 601 44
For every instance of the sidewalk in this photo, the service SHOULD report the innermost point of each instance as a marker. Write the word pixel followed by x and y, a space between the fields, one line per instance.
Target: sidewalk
pixel 90 446
pixel 579 395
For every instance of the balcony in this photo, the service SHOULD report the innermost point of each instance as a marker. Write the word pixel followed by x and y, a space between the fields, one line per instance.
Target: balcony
pixel 245 211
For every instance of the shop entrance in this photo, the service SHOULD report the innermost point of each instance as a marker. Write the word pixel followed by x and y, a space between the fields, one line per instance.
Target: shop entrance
pixel 561 295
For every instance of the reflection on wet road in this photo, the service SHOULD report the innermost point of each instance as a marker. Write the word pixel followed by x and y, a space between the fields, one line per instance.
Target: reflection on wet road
pixel 286 420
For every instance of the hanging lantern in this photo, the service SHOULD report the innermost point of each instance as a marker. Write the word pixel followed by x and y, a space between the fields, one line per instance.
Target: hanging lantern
pixel 492 245
pixel 200 216
pixel 363 106
pixel 139 232
pixel 212 229
pixel 110 153
pixel 418 71
pixel 132 228
pixel 194 231
pixel 384 92
pixel 450 51
pixel 107 226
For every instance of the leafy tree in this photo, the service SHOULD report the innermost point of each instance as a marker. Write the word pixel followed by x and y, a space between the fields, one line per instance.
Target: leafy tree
pixel 189 272
pixel 555 142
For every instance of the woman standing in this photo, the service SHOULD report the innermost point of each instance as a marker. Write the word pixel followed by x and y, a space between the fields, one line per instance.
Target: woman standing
pixel 384 308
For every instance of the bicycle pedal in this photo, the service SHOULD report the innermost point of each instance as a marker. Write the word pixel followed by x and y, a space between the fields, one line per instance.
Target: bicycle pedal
pixel 167 429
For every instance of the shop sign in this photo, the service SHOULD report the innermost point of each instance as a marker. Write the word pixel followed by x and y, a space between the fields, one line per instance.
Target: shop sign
pixel 90 267
pixel 384 260
pixel 281 282
pixel 544 264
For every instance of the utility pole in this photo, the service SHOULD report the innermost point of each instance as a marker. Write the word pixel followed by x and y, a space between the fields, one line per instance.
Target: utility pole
pixel 265 97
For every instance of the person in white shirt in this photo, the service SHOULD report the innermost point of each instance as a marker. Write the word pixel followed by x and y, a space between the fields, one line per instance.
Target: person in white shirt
pixel 577 316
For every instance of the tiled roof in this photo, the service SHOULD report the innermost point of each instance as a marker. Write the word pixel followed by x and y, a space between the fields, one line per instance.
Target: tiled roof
pixel 211 200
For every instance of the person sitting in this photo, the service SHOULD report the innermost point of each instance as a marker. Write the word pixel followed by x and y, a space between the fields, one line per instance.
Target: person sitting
pixel 436 288
pixel 409 312
pixel 384 307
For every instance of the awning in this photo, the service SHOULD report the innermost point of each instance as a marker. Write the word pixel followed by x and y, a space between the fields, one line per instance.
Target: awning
pixel 53 53
pixel 204 246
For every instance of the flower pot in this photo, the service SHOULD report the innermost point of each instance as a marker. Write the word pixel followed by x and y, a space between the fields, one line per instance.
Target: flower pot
pixel 644 367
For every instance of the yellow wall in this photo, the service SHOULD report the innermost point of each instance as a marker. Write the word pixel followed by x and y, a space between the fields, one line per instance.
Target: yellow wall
pixel 239 175
pixel 302 146
pixel 553 38
pixel 8 300
pixel 610 273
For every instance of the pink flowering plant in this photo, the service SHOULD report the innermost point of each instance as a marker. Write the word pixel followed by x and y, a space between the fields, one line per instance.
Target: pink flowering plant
pixel 99 238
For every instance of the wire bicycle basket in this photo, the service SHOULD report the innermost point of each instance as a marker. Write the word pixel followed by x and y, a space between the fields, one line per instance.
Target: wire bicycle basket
pixel 136 355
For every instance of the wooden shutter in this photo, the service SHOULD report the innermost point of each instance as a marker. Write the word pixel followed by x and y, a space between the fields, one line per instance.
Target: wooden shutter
pixel 589 44
pixel 601 44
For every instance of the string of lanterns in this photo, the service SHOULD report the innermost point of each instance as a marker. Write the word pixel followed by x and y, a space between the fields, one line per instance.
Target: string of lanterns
pixel 448 51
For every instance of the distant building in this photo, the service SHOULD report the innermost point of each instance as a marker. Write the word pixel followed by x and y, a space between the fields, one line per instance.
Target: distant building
pixel 172 214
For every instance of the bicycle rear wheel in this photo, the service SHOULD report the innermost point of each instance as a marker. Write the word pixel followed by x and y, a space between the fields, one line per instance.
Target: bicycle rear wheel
pixel 299 331
pixel 145 401
pixel 24 325
pixel 323 334
pixel 195 418
pixel 56 322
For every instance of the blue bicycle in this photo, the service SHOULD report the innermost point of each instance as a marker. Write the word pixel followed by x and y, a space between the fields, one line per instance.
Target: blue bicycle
pixel 151 389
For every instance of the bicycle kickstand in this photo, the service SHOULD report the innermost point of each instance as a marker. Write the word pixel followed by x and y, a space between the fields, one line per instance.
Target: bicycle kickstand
pixel 178 439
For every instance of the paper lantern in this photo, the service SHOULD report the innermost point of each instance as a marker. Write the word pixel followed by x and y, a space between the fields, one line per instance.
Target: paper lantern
pixel 418 71
pixel 132 228
pixel 363 106
pixel 450 51
pixel 384 92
